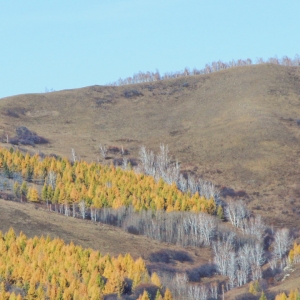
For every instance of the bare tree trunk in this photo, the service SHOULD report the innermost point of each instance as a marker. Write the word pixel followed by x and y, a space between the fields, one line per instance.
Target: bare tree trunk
pixel 82 208
pixel 74 157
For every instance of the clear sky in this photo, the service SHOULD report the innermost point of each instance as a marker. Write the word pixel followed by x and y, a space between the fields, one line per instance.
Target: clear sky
pixel 69 44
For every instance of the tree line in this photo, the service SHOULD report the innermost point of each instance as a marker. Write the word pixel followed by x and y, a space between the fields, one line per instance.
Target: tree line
pixel 215 66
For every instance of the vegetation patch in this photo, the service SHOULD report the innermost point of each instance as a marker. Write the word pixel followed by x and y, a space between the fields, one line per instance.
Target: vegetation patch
pixel 44 268
pixel 26 137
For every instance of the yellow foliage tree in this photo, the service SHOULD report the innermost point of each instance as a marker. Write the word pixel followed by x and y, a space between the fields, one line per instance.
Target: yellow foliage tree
pixel 155 280
pixel 168 295
pixel 32 194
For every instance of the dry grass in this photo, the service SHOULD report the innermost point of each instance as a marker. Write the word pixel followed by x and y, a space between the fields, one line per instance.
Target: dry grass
pixel 236 127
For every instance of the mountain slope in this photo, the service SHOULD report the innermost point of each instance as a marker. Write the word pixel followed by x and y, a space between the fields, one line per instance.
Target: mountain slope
pixel 236 127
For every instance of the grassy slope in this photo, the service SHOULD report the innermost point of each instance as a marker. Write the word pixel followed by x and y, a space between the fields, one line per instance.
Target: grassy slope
pixel 236 127
pixel 33 221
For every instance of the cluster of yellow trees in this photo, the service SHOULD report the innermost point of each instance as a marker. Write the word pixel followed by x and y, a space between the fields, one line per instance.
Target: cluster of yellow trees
pixel 293 295
pixel 50 269
pixel 294 254
pixel 99 186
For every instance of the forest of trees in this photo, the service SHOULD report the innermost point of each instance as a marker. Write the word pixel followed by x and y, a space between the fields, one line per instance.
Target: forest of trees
pixel 96 186
pixel 157 201
pixel 292 295
pixel 209 68
pixel 294 254
pixel 44 268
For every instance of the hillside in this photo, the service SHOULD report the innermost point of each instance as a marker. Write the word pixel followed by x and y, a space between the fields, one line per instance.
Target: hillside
pixel 237 128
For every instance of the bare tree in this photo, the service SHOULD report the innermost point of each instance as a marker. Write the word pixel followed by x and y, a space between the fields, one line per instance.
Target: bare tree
pixel 74 157
pixel 182 183
pixel 198 292
pixel 241 277
pixel 256 273
pixel 171 174
pixel 125 163
pixel 282 242
pixel 222 255
pixel 103 150
pixel 213 289
pixel 82 208
pixel 236 211
pixel 51 179
pixel 257 254
pixel 147 160
pixel 122 151
pixel 181 282
pixel 243 259
pixel 67 208
pixel 215 66
pixel 253 226
pixel 93 214
pixel 231 269
pixel 273 263
pixel 200 227
pixel 163 159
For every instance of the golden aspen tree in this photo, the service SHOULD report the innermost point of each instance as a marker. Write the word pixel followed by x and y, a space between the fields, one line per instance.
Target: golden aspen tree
pixel 24 189
pixel 144 296
pixel 155 280
pixel 40 293
pixel 2 287
pixel 74 194
pixel 168 295
pixel 10 236
pixel 211 206
pixel 281 296
pixel 44 194
pixel 56 194
pixel 170 208
pixel 12 296
pixel 158 295
pixel 262 296
pixel 67 294
pixel 33 194
pixel 62 195
pixel 293 295
pixel 136 280
pixel 17 189
pixel 31 293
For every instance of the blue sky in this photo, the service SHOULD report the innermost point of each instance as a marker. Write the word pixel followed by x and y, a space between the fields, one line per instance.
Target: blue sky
pixel 71 44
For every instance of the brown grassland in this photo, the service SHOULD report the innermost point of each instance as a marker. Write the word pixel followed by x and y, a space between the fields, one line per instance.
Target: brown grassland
pixel 237 128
